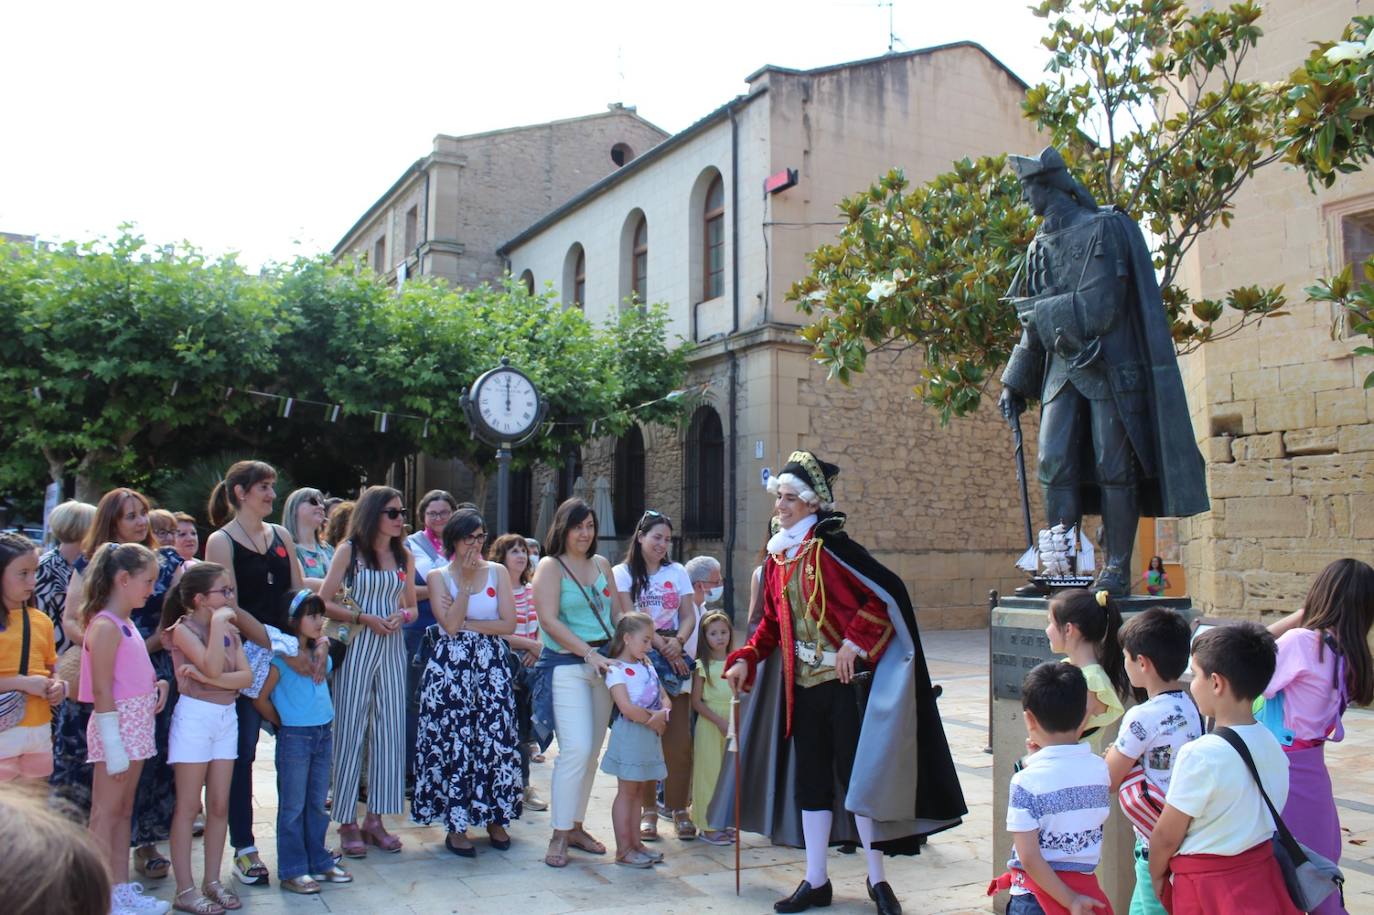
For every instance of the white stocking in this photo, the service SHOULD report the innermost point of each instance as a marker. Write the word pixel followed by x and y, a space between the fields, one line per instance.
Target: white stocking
pixel 816 834
pixel 876 874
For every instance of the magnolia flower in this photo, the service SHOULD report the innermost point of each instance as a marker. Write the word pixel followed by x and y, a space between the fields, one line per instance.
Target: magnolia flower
pixel 817 296
pixel 1343 51
pixel 898 276
pixel 880 289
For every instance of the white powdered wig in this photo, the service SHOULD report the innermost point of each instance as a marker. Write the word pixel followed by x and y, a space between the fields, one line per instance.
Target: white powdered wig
pixel 799 486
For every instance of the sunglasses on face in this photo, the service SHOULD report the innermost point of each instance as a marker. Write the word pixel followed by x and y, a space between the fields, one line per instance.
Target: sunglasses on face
pixel 313 501
pixel 394 513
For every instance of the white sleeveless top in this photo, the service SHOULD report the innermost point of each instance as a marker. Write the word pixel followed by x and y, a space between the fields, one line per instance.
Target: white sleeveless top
pixel 484 604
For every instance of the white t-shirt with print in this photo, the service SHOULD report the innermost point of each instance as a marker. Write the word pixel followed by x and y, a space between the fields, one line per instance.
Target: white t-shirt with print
pixel 1063 792
pixel 668 588
pixel 1212 784
pixel 639 680
pixel 1154 731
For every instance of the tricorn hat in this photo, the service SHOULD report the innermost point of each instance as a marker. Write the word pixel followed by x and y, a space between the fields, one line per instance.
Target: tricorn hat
pixel 813 478
pixel 1027 167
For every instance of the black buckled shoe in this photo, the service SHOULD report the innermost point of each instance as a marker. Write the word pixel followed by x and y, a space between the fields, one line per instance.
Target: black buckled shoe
pixel 805 897
pixel 884 898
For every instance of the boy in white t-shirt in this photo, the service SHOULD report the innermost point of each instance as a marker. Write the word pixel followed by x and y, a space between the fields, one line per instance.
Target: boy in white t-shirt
pixel 1215 833
pixel 1155 647
pixel 1057 803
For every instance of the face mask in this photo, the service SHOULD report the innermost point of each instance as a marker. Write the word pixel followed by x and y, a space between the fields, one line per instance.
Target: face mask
pixel 715 594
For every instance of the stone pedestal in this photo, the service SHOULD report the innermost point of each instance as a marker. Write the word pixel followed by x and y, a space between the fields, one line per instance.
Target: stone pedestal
pixel 1018 643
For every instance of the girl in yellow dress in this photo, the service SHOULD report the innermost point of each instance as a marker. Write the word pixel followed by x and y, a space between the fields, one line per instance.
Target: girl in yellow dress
pixel 1085 625
pixel 711 701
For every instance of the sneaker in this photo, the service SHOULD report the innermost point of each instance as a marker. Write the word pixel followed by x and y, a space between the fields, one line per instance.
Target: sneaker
pixel 117 906
pixel 534 800
pixel 131 897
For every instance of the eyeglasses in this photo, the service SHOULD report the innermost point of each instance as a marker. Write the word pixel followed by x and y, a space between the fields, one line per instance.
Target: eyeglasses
pixel 394 513
pixel 437 513
pixel 227 591
pixel 167 534
pixel 475 538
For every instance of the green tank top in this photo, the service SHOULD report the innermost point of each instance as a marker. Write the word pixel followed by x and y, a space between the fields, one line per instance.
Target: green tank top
pixel 575 613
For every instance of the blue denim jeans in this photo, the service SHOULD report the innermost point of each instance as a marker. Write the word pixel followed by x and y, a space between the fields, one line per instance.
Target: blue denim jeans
pixel 1024 905
pixel 304 756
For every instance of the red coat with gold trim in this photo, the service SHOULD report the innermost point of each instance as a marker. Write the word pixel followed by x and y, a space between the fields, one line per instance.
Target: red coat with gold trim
pixel 832 595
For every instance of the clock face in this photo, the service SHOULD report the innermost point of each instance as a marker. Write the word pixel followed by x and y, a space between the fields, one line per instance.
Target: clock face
pixel 508 403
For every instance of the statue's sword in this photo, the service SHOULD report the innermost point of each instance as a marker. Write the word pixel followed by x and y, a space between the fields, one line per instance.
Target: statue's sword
pixel 1015 422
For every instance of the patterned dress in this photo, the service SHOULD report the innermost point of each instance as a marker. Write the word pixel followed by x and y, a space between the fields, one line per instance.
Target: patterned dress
pixel 467 758
pixel 50 592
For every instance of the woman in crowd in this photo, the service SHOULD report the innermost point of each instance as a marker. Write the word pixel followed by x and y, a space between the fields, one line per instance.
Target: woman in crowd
pixel 164 525
pixel 574 595
pixel 123 516
pixel 68 524
pixel 427 546
pixel 510 551
pixel 187 537
pixel 336 521
pixel 260 560
pixel 662 590
pixel 467 764
pixel 303 518
pixel 370 686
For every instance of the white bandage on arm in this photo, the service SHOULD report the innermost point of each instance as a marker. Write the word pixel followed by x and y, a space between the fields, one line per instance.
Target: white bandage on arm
pixel 116 758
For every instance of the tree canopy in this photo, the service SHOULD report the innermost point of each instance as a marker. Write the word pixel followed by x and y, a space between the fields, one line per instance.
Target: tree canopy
pixel 1145 100
pixel 129 362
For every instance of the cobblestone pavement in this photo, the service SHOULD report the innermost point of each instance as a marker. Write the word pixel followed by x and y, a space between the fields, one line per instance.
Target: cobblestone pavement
pixel 947 879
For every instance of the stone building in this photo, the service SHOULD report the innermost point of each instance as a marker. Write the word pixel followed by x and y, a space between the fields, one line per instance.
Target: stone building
pixel 716 222
pixel 1288 429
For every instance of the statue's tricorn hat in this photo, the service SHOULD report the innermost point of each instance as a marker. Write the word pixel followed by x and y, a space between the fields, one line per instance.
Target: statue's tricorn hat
pixel 1041 166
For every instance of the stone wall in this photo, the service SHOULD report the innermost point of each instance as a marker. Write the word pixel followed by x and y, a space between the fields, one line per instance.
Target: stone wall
pixel 1286 427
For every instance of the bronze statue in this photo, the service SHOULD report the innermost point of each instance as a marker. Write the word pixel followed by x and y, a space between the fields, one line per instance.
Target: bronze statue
pixel 1096 349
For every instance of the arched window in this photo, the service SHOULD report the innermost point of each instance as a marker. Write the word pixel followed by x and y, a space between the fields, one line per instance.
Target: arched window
pixel 704 476
pixel 628 484
pixel 527 280
pixel 713 237
pixel 621 153
pixel 575 277
pixel 639 261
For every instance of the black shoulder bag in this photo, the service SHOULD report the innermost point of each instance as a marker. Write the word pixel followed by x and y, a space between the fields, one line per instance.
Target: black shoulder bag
pixel 593 601
pixel 13 704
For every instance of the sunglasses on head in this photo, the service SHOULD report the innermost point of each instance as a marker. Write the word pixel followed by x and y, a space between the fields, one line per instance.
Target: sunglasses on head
pixel 394 513
pixel 652 517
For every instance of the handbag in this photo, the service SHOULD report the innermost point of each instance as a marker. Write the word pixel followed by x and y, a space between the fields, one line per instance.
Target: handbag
pixel 14 702
pixel 593 602
pixel 1310 878
pixel 340 633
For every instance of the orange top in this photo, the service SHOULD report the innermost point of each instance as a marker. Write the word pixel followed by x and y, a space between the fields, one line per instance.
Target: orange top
pixel 42 659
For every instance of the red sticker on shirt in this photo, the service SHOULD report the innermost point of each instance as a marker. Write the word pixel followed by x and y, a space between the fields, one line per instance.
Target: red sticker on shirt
pixel 667 586
pixel 606 591
pixel 491 592
pixel 629 671
pixel 281 551
pixel 401 574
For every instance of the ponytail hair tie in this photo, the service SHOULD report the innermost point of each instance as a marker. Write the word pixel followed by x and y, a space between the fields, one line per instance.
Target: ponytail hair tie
pixel 1102 598
pixel 299 599
pixel 111 547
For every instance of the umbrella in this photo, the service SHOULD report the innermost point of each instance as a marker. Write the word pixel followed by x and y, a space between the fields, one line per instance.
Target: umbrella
pixel 581 490
pixel 548 504
pixel 605 513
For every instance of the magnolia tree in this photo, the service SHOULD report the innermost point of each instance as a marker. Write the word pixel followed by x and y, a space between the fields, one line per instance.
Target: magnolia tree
pixel 1146 101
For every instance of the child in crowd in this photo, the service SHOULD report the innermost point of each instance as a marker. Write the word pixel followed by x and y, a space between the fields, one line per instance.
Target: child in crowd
pixel 207 655
pixel 1057 803
pixel 1084 626
pixel 28 689
pixel 711 701
pixel 117 677
pixel 1152 733
pixel 1324 664
pixel 300 708
pixel 1215 834
pixel 635 754
pixel 50 864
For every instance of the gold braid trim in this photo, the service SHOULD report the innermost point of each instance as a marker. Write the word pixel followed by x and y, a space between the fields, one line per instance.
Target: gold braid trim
pixel 813 469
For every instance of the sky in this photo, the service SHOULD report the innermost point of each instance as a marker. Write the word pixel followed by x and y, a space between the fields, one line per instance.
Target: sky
pixel 267 129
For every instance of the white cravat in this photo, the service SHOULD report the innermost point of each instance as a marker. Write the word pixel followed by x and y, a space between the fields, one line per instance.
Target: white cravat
pixel 788 540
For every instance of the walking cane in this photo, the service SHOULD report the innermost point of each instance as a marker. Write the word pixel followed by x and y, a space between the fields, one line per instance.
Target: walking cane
pixel 732 740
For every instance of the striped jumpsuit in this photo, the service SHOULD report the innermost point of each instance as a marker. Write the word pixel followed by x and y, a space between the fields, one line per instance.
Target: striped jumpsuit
pixel 369 695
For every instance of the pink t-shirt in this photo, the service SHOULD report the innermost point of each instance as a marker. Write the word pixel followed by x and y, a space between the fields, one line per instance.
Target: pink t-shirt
pixel 1311 697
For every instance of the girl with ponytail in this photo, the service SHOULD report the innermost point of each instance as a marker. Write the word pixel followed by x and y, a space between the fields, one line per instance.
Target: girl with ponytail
pixel 1085 625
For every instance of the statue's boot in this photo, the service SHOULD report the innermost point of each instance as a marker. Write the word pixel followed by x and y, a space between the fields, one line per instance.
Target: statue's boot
pixel 1120 519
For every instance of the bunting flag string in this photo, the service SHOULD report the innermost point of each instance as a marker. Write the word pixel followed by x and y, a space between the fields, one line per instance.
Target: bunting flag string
pixel 384 420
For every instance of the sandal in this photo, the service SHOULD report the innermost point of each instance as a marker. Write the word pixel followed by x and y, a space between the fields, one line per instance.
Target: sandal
pixel 648 827
pixel 654 856
pixel 215 890
pixel 351 841
pixel 335 874
pixel 151 865
pixel 462 851
pixel 557 855
pixel 578 837
pixel 378 836
pixel 686 829
pixel 304 884
pixel 634 858
pixel 250 872
pixel 200 905
pixel 717 837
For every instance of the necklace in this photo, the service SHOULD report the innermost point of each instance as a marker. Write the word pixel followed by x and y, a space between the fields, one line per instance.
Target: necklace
pixel 253 545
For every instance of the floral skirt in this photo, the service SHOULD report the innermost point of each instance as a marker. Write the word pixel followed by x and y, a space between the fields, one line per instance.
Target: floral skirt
pixel 467 757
